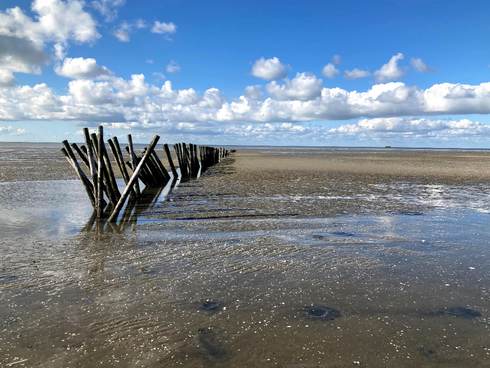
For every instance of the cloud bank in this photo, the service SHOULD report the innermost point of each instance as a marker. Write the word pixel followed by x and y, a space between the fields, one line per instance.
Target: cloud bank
pixel 300 99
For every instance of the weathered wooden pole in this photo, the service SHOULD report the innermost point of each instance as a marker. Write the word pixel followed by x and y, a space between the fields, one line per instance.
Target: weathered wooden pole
pixel 132 154
pixel 180 158
pixel 116 151
pixel 170 161
pixel 81 154
pixel 163 171
pixel 92 163
pixel 106 186
pixel 110 173
pixel 81 175
pixel 132 180
pixel 100 170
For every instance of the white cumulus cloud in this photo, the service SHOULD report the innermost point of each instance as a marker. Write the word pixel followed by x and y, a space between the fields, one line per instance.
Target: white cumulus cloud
pixel 330 70
pixel 356 73
pixel 269 69
pixel 81 68
pixel 419 65
pixel 124 30
pixel 23 38
pixel 298 100
pixel 164 27
pixel 108 8
pixel 390 71
pixel 64 20
pixel 413 127
pixel 6 78
pixel 303 87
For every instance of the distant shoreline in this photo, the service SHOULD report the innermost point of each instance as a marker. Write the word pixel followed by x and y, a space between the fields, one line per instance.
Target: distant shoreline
pixel 272 147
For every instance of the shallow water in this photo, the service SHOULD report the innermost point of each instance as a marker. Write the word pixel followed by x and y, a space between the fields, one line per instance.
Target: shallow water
pixel 373 274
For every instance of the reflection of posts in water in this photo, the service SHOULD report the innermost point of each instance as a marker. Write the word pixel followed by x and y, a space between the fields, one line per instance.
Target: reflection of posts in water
pixel 99 180
pixel 134 208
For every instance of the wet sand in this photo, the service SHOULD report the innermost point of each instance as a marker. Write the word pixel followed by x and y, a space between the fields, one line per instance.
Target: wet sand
pixel 280 258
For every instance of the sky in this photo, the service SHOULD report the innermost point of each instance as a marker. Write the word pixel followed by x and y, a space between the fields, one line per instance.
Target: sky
pixel 408 73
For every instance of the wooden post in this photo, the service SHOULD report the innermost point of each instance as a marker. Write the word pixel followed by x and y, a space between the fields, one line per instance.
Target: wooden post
pixel 143 176
pixel 178 152
pixel 81 175
pixel 161 167
pixel 118 147
pixel 186 159
pixel 119 160
pixel 110 173
pixel 92 163
pixel 133 160
pixel 170 161
pixel 132 180
pixel 100 163
pixel 81 154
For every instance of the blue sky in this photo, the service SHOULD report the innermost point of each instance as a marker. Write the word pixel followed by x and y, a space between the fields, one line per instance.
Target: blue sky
pixel 254 72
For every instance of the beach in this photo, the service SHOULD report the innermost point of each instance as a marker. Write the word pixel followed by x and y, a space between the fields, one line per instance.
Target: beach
pixel 275 257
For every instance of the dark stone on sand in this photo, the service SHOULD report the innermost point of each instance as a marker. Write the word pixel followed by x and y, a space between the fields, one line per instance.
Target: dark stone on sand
pixel 427 352
pixel 410 213
pixel 342 233
pixel 210 305
pixel 211 344
pixel 460 312
pixel 334 233
pixel 321 312
pixel 147 271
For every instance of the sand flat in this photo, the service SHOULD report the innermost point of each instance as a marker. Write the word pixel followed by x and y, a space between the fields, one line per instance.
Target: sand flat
pixel 395 242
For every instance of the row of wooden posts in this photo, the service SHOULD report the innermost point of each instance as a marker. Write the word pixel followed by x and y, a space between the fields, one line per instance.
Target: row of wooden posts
pixel 99 180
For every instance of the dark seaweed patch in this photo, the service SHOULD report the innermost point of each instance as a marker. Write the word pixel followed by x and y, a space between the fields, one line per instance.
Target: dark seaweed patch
pixel 321 312
pixel 460 312
pixel 210 305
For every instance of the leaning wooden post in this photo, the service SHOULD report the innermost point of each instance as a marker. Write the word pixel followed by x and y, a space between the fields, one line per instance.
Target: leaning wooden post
pixel 100 170
pixel 119 159
pixel 110 173
pixel 81 154
pixel 106 187
pixel 161 168
pixel 118 147
pixel 170 161
pixel 133 179
pixel 133 160
pixel 178 152
pixel 91 160
pixel 70 156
